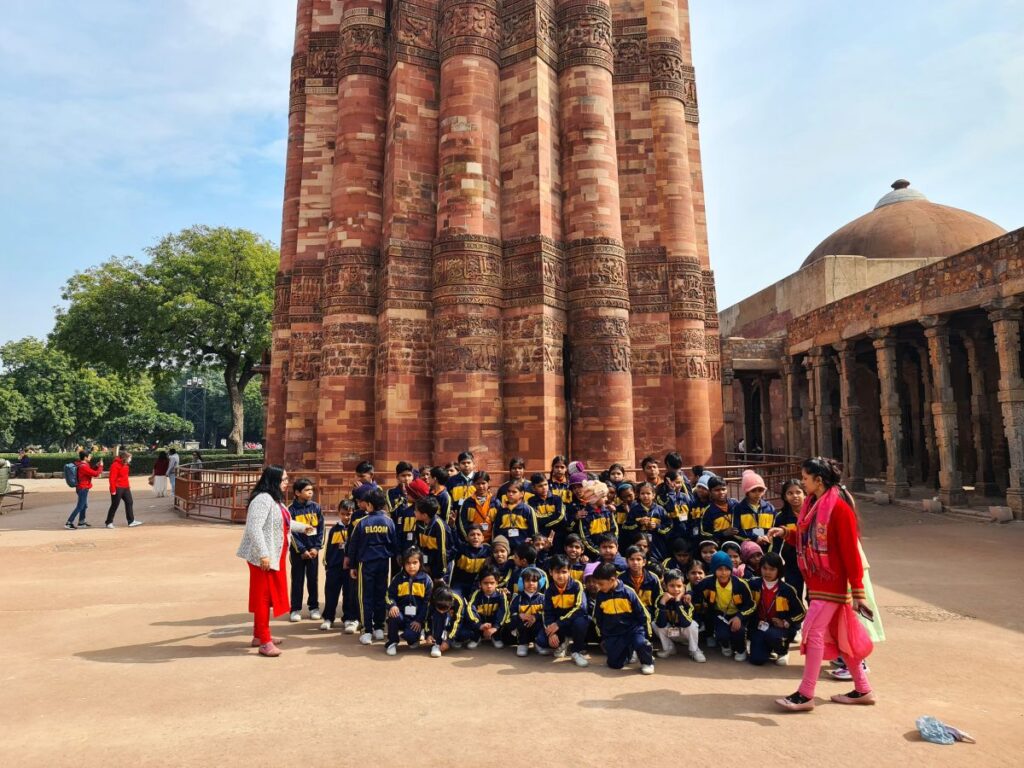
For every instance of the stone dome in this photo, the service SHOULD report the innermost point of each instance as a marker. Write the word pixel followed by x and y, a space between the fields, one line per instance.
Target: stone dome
pixel 906 225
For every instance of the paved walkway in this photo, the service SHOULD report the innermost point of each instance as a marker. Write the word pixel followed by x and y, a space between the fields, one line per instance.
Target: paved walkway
pixel 131 647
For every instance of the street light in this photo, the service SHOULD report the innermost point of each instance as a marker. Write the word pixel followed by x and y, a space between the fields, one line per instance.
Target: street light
pixel 194 405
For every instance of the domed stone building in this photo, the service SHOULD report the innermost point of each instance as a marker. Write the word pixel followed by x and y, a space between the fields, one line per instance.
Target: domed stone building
pixel 896 347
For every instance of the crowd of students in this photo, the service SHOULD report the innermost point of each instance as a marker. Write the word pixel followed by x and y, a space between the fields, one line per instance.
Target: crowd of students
pixel 564 563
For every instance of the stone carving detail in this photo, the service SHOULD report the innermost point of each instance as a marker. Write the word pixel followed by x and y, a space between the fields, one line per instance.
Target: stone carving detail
pixel 467 269
pixel 304 304
pixel 529 29
pixel 592 356
pixel 349 349
pixel 523 358
pixel 596 263
pixel 714 370
pixel 297 100
pixel 405 346
pixel 414 36
pixel 691 339
pixel 305 359
pixel 713 345
pixel 686 290
pixel 600 326
pixel 350 279
pixel 667 69
pixel 585 34
pixel 649 361
pixel 470 358
pixel 463 326
pixel 363 45
pixel 688 366
pixel 470 27
pixel 322 63
pixel 690 94
pixel 282 297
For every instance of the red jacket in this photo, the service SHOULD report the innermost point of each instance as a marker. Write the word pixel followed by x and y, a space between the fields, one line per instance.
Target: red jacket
pixel 87 473
pixel 118 475
pixel 847 577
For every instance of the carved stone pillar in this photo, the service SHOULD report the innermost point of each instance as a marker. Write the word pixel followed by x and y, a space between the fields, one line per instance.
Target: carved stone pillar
pixel 930 446
pixel 1006 318
pixel 944 411
pixel 892 416
pixel 467 250
pixel 812 409
pixel 677 231
pixel 850 413
pixel 345 424
pixel 405 334
pixel 765 389
pixel 981 420
pixel 277 393
pixel 821 381
pixel 602 395
pixel 791 381
pixel 729 407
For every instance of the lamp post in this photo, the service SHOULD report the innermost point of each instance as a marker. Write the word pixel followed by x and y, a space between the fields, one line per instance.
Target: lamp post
pixel 194 406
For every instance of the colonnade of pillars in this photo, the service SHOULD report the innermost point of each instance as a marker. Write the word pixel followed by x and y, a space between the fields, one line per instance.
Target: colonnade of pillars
pixel 811 417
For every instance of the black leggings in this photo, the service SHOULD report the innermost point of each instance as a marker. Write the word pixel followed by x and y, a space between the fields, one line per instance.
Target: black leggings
pixel 115 501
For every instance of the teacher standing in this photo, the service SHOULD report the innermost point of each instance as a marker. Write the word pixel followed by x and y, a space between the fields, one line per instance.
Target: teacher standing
pixel 264 547
pixel 826 539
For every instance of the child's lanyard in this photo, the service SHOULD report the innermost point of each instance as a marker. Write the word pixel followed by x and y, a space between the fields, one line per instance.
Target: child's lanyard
pixel 637 583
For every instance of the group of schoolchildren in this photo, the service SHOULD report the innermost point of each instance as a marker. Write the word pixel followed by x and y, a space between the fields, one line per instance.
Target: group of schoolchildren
pixel 564 563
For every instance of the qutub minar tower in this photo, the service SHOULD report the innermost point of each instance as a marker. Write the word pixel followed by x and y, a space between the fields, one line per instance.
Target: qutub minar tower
pixel 494 237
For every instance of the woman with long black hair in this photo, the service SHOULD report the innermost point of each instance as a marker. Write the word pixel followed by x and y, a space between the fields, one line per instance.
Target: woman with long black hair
pixel 265 548
pixel 826 539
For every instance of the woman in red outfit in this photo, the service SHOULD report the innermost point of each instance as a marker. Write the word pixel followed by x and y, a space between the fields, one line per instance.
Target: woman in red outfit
pixel 828 553
pixel 265 548
pixel 121 490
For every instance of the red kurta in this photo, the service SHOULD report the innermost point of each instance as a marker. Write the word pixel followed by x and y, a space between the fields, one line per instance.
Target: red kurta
pixel 271 587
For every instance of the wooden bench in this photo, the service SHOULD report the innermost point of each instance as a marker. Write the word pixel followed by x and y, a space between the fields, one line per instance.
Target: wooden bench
pixel 12 495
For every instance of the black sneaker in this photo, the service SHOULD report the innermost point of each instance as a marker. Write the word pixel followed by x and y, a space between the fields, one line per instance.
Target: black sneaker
pixel 69 526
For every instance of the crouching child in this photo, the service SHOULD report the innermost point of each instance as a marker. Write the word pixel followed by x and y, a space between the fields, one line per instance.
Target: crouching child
pixel 622 621
pixel 408 599
pixel 778 614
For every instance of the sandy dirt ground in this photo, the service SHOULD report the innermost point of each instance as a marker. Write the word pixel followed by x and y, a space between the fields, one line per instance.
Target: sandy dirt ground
pixel 130 647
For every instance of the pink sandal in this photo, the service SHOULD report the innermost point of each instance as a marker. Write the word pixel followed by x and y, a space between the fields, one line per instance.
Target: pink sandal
pixel 256 642
pixel 269 649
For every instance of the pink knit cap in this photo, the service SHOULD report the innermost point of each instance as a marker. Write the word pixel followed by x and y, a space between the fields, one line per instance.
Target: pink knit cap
pixel 750 481
pixel 748 549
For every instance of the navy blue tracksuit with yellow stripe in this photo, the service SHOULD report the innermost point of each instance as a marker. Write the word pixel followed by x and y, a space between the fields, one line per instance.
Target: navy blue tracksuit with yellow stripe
pixel 411 595
pixel 532 605
pixel 486 609
pixel 437 544
pixel 338 585
pixel 306 570
pixel 765 637
pixel 567 607
pixel 371 547
pixel 624 626
pixel 741 605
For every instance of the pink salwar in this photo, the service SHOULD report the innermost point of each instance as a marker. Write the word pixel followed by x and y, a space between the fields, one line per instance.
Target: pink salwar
pixel 830 630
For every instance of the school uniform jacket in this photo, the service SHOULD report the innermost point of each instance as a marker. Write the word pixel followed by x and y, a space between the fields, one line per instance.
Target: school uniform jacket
pixel 598 522
pixel 524 603
pixel 437 546
pixel 753 523
pixel 372 538
pixel 503 489
pixel 397 500
pixel 649 590
pixel 448 627
pixel 334 550
pixel 742 601
pixel 407 528
pixel 620 612
pixel 493 610
pixel 560 489
pixel 716 521
pixel 460 488
pixel 550 513
pixel 411 594
pixel 517 524
pixel 561 605
pixel 638 510
pixel 468 561
pixel 485 515
pixel 674 613
pixel 309 514
pixel 788 605
pixel 671 564
pixel 447 511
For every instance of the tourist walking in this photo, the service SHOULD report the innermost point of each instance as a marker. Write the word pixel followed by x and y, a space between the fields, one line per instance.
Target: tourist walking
pixel 172 467
pixel 827 544
pixel 264 547
pixel 121 490
pixel 159 477
pixel 85 473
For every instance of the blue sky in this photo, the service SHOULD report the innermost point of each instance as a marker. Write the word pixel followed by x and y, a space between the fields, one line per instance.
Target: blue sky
pixel 121 121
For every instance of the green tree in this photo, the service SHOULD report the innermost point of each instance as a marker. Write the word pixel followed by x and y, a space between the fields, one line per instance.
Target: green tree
pixel 144 427
pixel 14 411
pixel 169 395
pixel 204 299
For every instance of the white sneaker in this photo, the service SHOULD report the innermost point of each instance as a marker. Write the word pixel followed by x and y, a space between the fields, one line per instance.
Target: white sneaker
pixel 647 669
pixel 315 615
pixel 698 656
pixel 542 651
pixel 435 652
pixel 134 523
pixel 378 634
pixel 351 627
pixel 522 650
pixel 633 659
pixel 783 660
pixel 472 644
pixel 325 626
pixel 366 638
pixel 726 651
pixel 295 616
pixel 741 656
pixel 110 525
pixel 580 660
pixel 392 649
pixel 498 644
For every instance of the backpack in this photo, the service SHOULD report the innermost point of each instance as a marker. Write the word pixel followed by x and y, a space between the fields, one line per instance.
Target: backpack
pixel 71 474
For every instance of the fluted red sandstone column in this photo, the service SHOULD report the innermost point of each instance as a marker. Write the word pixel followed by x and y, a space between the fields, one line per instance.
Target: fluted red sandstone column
pixel 346 408
pixel 534 310
pixel 277 393
pixel 602 417
pixel 678 232
pixel 304 311
pixel 467 250
pixel 405 356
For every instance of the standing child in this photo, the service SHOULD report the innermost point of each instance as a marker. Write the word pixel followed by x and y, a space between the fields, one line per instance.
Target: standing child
pixel 792 500
pixel 339 585
pixel 754 516
pixel 480 508
pixel 559 479
pixel 305 550
pixel 574 554
pixel 371 547
pixel 674 622
pixel 487 611
pixel 549 510
pixel 625 493
pixel 406 526
pixel 594 519
pixel 727 603
pixel 526 613
pixel 408 599
pixel 622 621
pixel 436 479
pixel 447 623
pixel 469 561
pixel 778 615
pixel 719 521
pixel 608 552
pixel 565 612
pixel 121 490
pixel 646 585
pixel 517 521
pixel 460 485
pixel 398 497
pixel 436 542
pixel 516 471
pixel 501 563
pixel 646 516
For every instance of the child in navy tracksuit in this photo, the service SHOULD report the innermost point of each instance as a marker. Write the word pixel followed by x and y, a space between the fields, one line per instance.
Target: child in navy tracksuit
pixel 408 600
pixel 447 623
pixel 371 547
pixel 674 622
pixel 487 611
pixel 754 516
pixel 470 558
pixel 778 615
pixel 305 550
pixel 339 584
pixel 436 541
pixel 565 611
pixel 727 604
pixel 526 613
pixel 622 621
